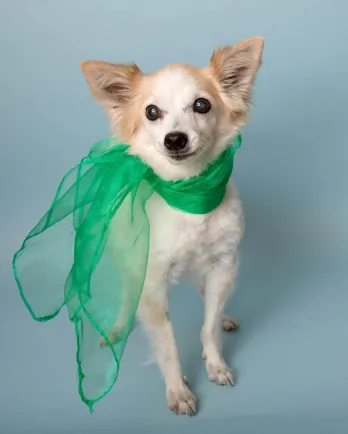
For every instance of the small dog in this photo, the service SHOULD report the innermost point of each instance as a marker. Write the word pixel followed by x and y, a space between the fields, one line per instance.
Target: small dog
pixel 178 120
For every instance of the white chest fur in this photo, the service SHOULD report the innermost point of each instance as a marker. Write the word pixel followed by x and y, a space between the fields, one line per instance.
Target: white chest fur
pixel 185 242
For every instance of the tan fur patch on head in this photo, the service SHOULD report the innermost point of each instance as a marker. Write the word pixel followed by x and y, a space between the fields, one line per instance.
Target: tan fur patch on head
pixel 127 120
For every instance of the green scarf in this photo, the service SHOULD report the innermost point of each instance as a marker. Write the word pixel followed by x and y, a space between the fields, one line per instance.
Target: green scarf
pixel 104 195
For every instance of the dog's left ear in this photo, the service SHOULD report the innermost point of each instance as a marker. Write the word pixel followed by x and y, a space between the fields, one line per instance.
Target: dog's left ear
pixel 235 68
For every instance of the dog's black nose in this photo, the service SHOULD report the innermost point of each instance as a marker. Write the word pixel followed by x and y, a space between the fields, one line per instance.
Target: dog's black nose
pixel 175 141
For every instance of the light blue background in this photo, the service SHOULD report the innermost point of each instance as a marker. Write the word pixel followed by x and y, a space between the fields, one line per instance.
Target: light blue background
pixel 291 353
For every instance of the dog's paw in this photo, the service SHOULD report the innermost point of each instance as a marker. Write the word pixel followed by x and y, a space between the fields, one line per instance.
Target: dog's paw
pixel 220 374
pixel 182 400
pixel 229 324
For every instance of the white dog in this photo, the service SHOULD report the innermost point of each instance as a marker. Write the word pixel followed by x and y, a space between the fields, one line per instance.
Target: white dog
pixel 177 120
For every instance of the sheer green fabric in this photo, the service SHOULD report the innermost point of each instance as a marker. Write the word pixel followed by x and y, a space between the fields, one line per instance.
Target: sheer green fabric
pixel 90 250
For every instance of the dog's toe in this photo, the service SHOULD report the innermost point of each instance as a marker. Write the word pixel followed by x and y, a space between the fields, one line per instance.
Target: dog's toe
pixel 220 374
pixel 182 401
pixel 229 324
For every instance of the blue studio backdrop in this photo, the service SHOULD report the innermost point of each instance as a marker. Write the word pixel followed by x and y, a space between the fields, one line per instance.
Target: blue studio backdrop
pixel 291 353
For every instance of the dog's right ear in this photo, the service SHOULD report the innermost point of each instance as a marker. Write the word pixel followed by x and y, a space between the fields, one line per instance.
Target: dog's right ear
pixel 234 68
pixel 112 85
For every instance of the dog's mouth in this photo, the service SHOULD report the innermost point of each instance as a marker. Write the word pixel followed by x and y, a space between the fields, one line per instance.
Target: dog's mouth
pixel 181 156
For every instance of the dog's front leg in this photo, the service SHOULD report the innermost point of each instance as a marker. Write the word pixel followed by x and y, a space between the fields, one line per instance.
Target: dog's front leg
pixel 153 313
pixel 218 285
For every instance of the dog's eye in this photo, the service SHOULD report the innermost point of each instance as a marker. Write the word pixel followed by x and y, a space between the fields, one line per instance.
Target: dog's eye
pixel 201 105
pixel 152 112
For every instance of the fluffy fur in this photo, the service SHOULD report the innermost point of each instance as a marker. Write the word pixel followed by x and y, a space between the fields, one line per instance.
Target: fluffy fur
pixel 203 245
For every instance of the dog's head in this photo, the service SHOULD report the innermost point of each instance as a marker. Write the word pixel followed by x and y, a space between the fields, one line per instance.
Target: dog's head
pixel 181 117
